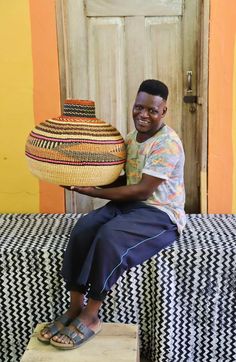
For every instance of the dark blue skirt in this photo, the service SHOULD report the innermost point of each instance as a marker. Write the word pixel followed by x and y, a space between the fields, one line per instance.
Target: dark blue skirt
pixel 112 239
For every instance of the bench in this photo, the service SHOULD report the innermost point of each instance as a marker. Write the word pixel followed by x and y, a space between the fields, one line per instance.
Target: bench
pixel 183 299
pixel 116 342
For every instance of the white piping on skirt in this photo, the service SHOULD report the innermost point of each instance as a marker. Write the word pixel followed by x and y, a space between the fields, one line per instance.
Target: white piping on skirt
pixel 122 256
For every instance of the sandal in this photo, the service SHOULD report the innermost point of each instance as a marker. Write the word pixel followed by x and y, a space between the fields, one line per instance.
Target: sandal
pixel 53 328
pixel 75 335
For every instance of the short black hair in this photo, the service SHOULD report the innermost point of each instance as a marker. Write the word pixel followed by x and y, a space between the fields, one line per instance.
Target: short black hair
pixel 154 87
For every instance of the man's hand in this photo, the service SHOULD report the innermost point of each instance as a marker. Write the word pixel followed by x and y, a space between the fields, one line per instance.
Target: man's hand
pixel 137 192
pixel 86 190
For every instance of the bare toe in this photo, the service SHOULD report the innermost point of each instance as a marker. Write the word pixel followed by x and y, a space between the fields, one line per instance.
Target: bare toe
pixel 53 328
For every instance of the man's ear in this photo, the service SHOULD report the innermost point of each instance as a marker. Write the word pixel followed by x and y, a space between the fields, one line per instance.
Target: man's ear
pixel 164 111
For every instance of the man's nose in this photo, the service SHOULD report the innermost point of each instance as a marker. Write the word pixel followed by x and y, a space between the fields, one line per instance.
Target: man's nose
pixel 144 112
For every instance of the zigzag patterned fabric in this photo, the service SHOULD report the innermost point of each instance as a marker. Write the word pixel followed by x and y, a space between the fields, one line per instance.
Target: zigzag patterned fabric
pixel 76 148
pixel 183 299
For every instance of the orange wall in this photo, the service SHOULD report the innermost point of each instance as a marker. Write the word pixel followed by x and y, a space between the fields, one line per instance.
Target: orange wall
pixel 221 187
pixel 46 93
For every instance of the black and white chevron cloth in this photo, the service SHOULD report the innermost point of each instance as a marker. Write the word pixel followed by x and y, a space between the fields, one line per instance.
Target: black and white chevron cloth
pixel 183 299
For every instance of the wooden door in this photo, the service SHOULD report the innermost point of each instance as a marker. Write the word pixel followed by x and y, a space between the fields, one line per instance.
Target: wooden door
pixel 107 47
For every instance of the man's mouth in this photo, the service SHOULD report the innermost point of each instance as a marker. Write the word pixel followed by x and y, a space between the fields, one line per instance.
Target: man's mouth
pixel 142 122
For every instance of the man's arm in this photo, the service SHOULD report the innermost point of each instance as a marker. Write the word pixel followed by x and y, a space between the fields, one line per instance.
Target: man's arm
pixel 138 192
pixel 120 181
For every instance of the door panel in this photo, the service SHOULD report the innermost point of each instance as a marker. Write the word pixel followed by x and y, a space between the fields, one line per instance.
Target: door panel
pixel 164 61
pixel 133 7
pixel 123 43
pixel 107 69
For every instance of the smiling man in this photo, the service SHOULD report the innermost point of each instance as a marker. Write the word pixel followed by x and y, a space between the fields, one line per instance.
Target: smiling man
pixel 145 215
pixel 148 112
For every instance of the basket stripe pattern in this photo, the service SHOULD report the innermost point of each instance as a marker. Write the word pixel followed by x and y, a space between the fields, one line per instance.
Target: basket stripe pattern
pixel 76 148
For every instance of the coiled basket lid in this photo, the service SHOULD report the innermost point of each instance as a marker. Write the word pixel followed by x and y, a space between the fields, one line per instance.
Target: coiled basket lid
pixel 76 148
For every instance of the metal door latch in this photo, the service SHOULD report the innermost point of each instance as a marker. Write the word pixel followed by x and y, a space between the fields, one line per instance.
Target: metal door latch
pixel 190 99
pixel 189 81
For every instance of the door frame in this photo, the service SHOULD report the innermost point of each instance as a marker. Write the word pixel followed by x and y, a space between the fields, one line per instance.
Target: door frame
pixel 69 72
pixel 203 76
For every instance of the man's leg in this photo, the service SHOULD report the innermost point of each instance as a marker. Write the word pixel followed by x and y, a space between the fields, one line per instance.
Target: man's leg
pixel 78 247
pixel 80 243
pixel 125 241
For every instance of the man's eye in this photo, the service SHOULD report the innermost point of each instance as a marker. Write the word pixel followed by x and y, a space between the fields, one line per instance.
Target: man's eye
pixel 153 111
pixel 138 108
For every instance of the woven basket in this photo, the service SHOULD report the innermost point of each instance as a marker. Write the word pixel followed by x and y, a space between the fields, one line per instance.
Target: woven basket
pixel 76 148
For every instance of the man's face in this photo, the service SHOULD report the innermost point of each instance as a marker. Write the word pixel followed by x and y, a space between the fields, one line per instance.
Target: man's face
pixel 148 111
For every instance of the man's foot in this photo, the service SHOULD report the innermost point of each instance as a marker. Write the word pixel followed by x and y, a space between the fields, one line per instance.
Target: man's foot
pixel 79 331
pixel 51 329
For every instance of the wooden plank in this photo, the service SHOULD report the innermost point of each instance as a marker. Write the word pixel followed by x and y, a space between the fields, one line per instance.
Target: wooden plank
pixel 72 48
pixel 190 138
pixel 62 51
pixel 163 59
pixel 73 67
pixel 203 92
pixel 133 7
pixel 107 83
pixel 107 70
pixel 135 60
pixel 77 48
pixel 116 342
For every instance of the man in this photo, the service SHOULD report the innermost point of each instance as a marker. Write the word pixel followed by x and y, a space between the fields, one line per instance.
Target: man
pixel 145 215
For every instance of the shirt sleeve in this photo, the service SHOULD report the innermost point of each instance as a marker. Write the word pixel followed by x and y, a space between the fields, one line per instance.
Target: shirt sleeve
pixel 162 159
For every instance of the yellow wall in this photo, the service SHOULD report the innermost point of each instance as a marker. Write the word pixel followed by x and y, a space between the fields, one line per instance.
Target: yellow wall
pixel 19 191
pixel 29 93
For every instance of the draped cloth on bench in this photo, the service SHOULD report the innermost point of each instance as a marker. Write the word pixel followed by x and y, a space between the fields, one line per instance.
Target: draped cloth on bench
pixel 184 299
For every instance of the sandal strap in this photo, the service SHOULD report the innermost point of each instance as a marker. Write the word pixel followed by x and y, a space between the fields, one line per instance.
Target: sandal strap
pixel 54 329
pixel 74 334
pixel 86 331
pixel 64 319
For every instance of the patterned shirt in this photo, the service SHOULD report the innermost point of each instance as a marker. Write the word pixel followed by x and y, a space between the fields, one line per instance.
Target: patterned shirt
pixel 161 156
